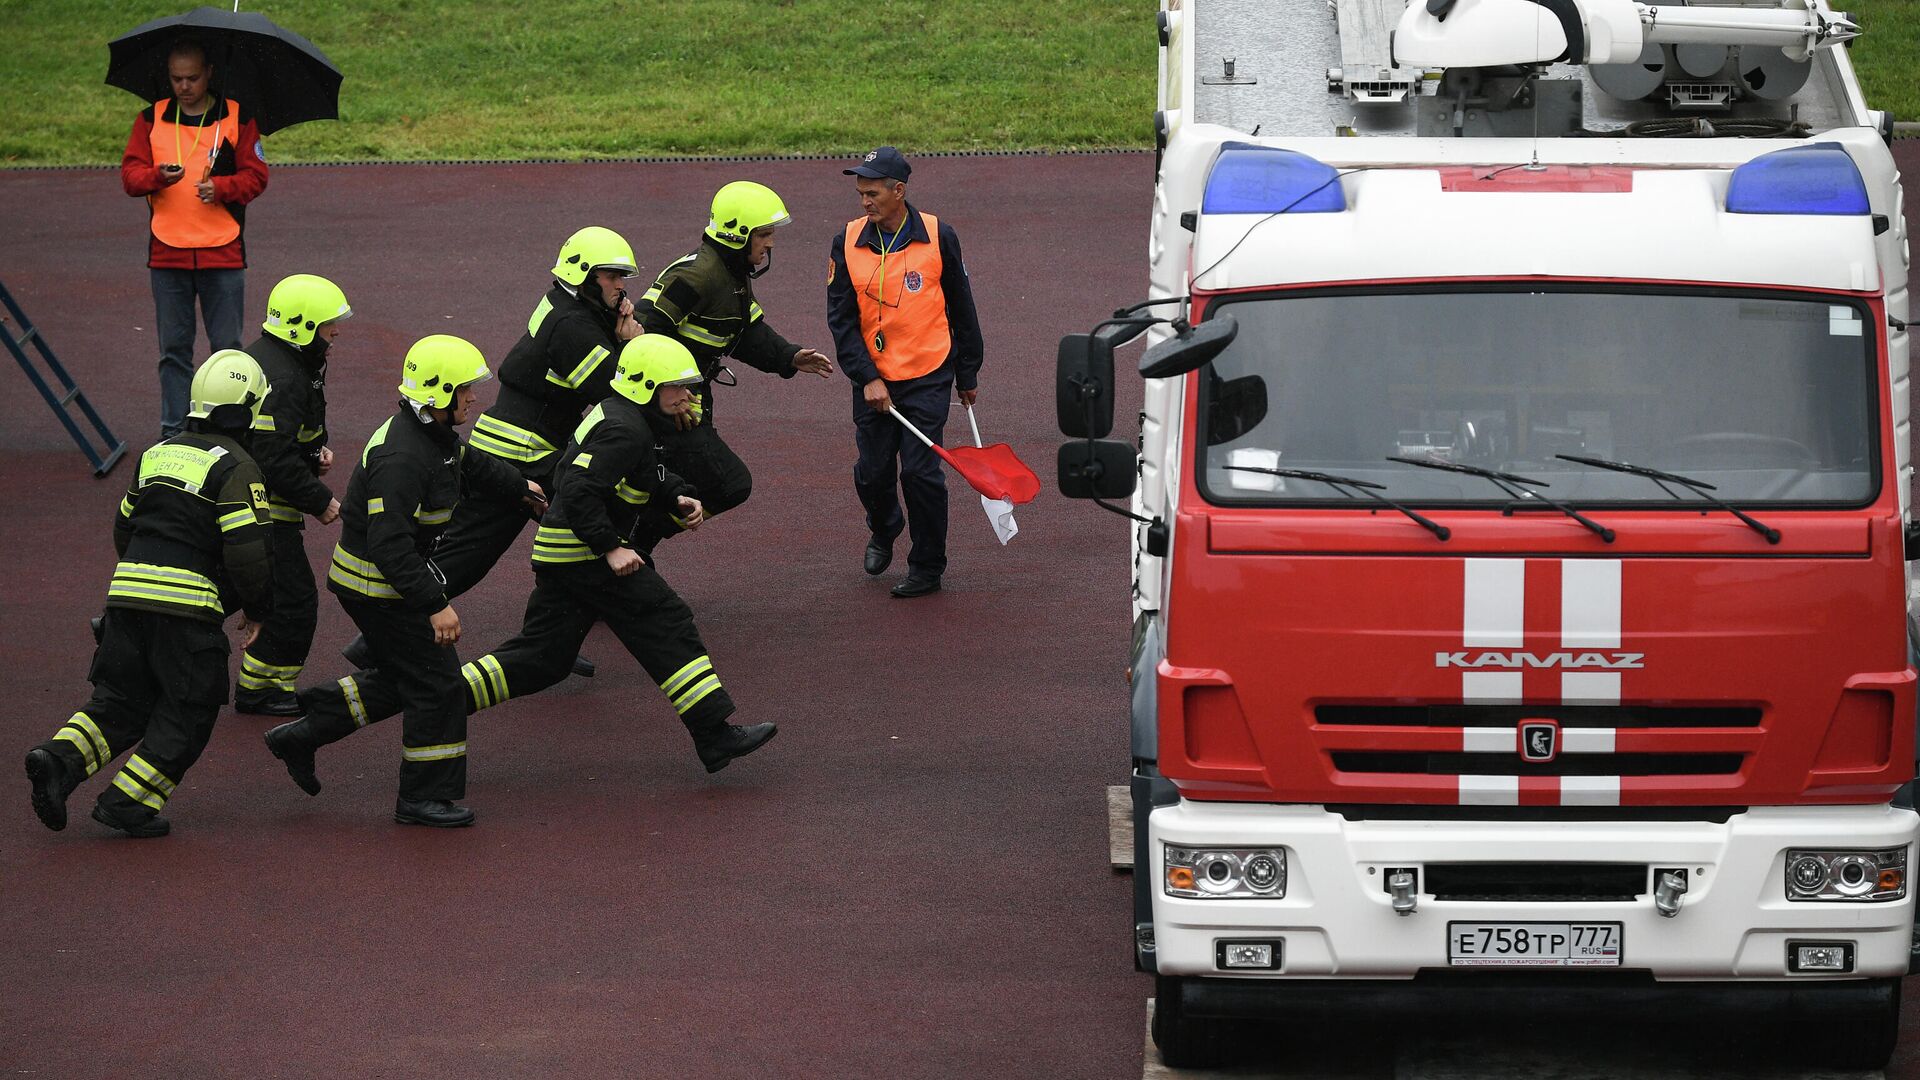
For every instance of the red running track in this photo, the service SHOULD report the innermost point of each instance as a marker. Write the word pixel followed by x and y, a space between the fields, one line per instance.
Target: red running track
pixel 910 882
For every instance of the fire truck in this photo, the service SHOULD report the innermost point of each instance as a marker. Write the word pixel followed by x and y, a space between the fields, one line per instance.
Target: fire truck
pixel 1521 520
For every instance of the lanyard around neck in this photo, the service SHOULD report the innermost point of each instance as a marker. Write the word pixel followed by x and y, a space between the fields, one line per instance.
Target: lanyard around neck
pixel 887 246
pixel 178 159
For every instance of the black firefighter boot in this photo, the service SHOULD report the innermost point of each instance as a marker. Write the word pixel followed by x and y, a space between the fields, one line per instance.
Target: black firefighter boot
pixel 293 745
pixel 51 786
pixel 723 742
pixel 140 827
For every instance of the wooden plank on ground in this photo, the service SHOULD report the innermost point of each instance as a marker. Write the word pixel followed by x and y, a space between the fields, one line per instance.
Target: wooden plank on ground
pixel 1119 827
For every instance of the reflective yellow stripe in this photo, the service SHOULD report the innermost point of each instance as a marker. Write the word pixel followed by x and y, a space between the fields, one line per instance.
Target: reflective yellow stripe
pixel 539 315
pixel 376 506
pixel 511 441
pixel 630 494
pixel 239 519
pixel 126 507
pixel 697 666
pixel 255 675
pixel 182 467
pixel 355 707
pixel 476 684
pixel 137 792
pixel 308 434
pixel 496 677
pixel 582 371
pixel 153 777
pixel 263 422
pixel 694 333
pixel 352 572
pixel 754 313
pixel 434 753
pixel 85 723
pixel 80 742
pixel 552 544
pixel 695 693
pixel 433 517
pixel 283 512
pixel 379 436
pixel 164 584
pixel 583 460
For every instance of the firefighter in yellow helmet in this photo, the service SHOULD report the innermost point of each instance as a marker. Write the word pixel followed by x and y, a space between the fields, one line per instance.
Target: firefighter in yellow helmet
pixel 304 313
pixel 402 494
pixel 586 570
pixel 192 539
pixel 705 301
pixel 557 370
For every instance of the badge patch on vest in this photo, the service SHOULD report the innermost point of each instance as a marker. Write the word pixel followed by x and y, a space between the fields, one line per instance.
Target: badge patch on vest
pixel 259 493
pixel 914 281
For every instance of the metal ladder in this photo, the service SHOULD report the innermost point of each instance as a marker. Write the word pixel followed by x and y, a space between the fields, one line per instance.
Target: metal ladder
pixel 112 450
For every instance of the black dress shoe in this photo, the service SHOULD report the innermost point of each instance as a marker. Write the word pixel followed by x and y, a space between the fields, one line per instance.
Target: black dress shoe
pixel 437 813
pixel 143 828
pixel 732 741
pixel 267 702
pixel 358 653
pixel 879 556
pixel 284 742
pixel 915 585
pixel 49 778
pixel 583 667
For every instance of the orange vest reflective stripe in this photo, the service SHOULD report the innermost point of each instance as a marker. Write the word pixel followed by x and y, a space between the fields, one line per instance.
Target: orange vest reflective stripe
pixel 908 308
pixel 180 219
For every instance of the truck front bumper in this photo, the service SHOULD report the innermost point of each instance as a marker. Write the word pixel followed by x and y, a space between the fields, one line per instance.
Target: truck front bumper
pixel 1336 920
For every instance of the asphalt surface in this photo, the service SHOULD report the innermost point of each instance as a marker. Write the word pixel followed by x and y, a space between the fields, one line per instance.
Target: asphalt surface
pixel 910 882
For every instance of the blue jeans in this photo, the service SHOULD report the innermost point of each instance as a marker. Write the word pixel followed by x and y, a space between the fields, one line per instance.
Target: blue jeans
pixel 222 295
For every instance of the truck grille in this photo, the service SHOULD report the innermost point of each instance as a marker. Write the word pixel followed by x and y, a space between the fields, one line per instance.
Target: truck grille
pixel 1569 883
pixel 1568 716
pixel 1510 765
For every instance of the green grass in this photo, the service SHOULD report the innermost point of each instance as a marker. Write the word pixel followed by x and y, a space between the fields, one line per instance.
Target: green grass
pixel 577 79
pixel 613 78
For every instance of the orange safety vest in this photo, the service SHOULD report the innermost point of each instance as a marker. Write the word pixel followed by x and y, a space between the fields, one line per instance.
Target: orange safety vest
pixel 907 308
pixel 180 219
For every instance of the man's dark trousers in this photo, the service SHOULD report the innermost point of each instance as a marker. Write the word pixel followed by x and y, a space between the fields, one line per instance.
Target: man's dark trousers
pixel 158 682
pixel 413 676
pixel 221 294
pixel 893 464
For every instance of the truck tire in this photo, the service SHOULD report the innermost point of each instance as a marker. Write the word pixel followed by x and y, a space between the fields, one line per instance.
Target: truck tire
pixel 1185 1042
pixel 1863 1040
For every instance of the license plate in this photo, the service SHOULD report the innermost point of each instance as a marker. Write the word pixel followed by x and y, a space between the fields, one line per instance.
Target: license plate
pixel 1533 944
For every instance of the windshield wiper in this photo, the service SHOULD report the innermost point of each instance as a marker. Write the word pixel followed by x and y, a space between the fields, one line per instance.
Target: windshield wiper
pixel 1698 487
pixel 1341 483
pixel 1520 487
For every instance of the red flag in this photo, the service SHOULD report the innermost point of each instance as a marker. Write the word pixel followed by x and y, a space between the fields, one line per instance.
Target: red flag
pixel 994 471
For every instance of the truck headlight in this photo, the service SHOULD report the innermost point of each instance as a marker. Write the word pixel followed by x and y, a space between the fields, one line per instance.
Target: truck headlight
pixel 1814 874
pixel 1226 873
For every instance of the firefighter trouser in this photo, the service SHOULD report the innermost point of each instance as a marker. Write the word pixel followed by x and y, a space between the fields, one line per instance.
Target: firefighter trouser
pixel 893 464
pixel 412 676
pixel 158 681
pixel 276 657
pixel 641 609
pixel 481 531
pixel 720 479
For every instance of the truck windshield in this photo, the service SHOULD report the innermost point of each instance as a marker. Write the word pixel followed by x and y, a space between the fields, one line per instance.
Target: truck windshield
pixel 1770 399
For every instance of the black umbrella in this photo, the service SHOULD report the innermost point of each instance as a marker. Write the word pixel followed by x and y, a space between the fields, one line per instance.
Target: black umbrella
pixel 276 74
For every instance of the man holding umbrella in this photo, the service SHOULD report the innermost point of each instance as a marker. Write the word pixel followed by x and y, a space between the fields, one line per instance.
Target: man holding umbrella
pixel 196 159
pixel 194 155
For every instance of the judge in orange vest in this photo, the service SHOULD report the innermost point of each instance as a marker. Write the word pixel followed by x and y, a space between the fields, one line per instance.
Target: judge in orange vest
pixel 901 311
pixel 196 159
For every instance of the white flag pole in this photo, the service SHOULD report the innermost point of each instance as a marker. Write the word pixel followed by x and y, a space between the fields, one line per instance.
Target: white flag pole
pixel 999 511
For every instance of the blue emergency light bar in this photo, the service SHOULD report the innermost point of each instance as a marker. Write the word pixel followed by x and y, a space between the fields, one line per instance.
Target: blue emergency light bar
pixel 1248 179
pixel 1819 178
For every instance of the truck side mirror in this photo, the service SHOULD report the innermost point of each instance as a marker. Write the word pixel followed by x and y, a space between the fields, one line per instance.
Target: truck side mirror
pixel 1189 349
pixel 1083 386
pixel 1097 469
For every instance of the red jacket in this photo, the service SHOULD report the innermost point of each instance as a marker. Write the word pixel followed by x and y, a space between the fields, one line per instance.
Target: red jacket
pixel 239 176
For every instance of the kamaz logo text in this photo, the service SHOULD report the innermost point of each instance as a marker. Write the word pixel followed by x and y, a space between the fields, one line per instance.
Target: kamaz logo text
pixel 1520 661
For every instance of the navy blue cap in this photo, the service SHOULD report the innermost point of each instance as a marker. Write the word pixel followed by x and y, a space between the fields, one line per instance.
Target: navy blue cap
pixel 884 163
